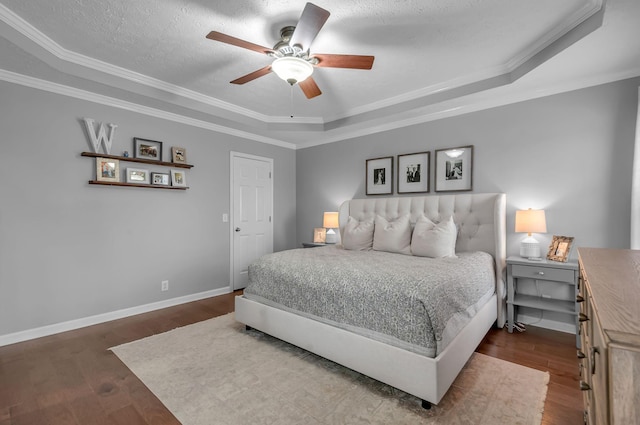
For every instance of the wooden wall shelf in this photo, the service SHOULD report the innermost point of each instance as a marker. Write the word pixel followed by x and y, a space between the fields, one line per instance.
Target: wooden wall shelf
pixel 139 160
pixel 152 186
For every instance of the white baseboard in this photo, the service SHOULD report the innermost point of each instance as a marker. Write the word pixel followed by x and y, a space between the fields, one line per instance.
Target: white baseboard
pixel 106 317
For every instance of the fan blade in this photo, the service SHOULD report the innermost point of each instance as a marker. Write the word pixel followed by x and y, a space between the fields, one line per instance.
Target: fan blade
pixel 310 88
pixel 224 38
pixel 344 61
pixel 252 76
pixel 309 25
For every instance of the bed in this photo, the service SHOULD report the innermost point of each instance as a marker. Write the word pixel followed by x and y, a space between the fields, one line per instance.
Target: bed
pixel 379 333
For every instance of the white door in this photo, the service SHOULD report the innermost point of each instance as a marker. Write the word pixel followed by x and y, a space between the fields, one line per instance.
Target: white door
pixel 251 215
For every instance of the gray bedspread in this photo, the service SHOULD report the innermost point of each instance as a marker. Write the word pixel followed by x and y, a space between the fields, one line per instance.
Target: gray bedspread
pixel 414 303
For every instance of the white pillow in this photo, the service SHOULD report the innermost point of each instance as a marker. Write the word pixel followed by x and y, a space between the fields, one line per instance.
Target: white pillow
pixel 434 240
pixel 392 236
pixel 357 235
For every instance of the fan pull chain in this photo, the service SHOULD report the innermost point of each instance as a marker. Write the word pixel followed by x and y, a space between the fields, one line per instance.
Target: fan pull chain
pixel 291 88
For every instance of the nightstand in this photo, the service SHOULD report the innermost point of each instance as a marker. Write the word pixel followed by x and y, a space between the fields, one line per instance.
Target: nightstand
pixel 312 244
pixel 552 271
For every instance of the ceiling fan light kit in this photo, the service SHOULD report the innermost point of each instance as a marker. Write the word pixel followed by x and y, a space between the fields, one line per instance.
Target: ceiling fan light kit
pixel 294 64
pixel 292 69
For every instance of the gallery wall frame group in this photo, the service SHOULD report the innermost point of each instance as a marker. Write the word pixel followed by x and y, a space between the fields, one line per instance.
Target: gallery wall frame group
pixel 453 172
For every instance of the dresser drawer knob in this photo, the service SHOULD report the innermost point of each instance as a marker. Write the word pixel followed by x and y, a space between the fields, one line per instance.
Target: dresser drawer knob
pixel 579 299
pixel 584 386
pixel 583 317
pixel 594 351
pixel 581 355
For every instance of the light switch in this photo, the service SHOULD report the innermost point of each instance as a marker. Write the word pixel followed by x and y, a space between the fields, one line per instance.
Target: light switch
pixel 225 218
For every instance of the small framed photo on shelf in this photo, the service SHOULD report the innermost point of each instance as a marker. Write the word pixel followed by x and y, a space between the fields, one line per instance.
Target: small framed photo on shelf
pixel 178 155
pixel 178 178
pixel 107 170
pixel 319 235
pixel 413 172
pixel 147 149
pixel 161 179
pixel 138 175
pixel 379 176
pixel 454 169
pixel 560 248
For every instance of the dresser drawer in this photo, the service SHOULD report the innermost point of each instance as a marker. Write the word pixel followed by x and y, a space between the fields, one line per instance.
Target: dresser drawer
pixel 542 273
pixel 598 368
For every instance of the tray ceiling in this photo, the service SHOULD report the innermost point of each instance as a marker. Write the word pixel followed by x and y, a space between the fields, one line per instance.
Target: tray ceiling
pixel 429 56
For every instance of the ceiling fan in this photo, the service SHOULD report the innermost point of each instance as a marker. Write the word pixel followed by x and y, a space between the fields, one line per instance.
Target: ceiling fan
pixel 294 64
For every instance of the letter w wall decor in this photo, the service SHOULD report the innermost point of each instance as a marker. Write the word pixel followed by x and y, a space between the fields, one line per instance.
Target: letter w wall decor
pixel 100 138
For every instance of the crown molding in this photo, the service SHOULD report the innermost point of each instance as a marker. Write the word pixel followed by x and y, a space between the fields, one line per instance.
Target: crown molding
pixel 460 106
pixel 40 39
pixel 576 26
pixel 61 89
pixel 500 75
pixel 472 103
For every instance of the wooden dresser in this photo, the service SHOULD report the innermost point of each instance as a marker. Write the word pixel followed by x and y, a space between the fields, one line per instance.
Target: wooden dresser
pixel 609 297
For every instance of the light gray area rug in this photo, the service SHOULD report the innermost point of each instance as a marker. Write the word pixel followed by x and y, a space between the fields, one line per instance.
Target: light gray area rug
pixel 216 372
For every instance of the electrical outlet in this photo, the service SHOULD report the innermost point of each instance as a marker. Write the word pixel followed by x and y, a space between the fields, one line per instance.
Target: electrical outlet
pixel 165 285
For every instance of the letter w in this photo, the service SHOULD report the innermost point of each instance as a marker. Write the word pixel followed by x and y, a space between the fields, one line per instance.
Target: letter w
pixel 101 136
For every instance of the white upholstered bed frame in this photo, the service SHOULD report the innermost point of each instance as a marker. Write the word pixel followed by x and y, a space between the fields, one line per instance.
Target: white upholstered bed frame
pixel 481 227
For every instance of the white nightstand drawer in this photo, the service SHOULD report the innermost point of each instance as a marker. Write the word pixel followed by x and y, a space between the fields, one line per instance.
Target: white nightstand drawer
pixel 543 273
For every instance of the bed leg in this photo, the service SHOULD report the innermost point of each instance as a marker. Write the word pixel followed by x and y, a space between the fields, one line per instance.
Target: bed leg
pixel 426 404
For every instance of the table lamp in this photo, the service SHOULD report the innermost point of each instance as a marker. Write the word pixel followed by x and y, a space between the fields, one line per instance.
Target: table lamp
pixel 330 222
pixel 530 221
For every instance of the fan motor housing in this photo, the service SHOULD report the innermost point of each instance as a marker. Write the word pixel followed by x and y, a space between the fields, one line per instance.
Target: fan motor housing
pixel 282 47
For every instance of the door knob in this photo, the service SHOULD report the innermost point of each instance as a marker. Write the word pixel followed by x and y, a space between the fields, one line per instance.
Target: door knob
pixel 237 229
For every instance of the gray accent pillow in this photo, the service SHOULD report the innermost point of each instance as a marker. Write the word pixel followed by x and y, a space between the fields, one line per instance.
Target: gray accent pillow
pixel 434 240
pixel 357 235
pixel 392 236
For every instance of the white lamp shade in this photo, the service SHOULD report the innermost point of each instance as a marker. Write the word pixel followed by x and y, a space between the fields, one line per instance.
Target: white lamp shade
pixel 531 221
pixel 291 69
pixel 330 220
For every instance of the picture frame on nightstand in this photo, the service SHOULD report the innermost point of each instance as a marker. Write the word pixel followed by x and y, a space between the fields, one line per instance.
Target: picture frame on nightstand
pixel 319 235
pixel 560 248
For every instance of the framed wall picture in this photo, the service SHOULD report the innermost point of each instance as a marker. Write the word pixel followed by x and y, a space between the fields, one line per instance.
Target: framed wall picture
pixel 413 172
pixel 560 248
pixel 161 179
pixel 107 170
pixel 319 235
pixel 138 175
pixel 178 178
pixel 454 169
pixel 147 149
pixel 178 155
pixel 379 176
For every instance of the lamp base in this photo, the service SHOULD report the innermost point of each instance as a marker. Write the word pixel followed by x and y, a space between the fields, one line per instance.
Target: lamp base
pixel 530 248
pixel 331 237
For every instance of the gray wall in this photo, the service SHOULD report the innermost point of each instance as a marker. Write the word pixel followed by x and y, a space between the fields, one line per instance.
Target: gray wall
pixel 70 250
pixel 570 154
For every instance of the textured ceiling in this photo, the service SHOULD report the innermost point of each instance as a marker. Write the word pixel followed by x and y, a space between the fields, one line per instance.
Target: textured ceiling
pixel 426 53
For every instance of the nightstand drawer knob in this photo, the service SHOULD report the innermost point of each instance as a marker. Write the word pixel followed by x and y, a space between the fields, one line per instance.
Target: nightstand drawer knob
pixel 540 273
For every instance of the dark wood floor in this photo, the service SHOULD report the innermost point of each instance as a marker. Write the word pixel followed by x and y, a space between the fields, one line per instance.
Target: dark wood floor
pixel 71 378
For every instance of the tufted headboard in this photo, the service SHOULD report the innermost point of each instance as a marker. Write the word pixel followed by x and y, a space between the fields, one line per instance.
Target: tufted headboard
pixel 480 218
